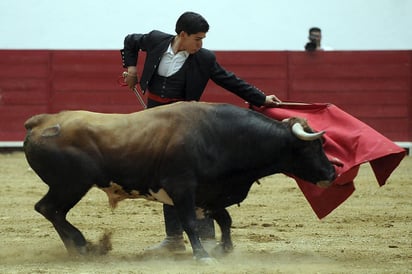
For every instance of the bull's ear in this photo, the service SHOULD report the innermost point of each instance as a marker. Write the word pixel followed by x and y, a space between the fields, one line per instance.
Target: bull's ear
pixel 300 133
pixel 51 131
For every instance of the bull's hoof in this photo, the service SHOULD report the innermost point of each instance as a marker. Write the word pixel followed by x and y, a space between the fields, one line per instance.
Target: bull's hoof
pixel 102 247
pixel 78 250
pixel 92 249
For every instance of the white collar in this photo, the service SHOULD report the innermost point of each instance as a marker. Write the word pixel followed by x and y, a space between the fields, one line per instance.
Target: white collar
pixel 183 52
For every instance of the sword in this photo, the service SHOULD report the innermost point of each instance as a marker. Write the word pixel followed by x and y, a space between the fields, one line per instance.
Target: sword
pixel 139 97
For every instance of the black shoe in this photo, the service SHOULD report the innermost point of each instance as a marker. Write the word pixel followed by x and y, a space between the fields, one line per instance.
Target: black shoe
pixel 171 244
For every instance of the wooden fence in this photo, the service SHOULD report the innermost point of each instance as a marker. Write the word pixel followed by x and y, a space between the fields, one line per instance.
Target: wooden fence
pixel 374 86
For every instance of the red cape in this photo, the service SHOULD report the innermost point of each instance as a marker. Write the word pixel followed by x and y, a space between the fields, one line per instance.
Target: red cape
pixel 348 141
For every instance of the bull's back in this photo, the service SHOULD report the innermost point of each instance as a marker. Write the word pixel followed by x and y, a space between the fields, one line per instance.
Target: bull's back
pixel 109 136
pixel 223 122
pixel 68 126
pixel 146 133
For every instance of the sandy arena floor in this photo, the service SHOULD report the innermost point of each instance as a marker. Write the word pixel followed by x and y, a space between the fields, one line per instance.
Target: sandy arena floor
pixel 274 230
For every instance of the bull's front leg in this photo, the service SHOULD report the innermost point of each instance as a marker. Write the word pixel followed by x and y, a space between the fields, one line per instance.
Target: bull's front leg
pixel 223 219
pixel 54 206
pixel 185 209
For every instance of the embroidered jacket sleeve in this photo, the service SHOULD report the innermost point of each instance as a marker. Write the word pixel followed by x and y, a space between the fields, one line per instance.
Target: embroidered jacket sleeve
pixel 133 43
pixel 154 44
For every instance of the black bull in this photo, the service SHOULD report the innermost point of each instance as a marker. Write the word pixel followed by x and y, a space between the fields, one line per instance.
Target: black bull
pixel 191 155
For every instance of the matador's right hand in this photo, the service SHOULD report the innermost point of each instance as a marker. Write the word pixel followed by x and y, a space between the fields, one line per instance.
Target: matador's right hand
pixel 131 77
pixel 131 80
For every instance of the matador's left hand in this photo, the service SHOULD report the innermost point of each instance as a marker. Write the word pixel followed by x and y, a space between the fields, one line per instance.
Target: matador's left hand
pixel 272 101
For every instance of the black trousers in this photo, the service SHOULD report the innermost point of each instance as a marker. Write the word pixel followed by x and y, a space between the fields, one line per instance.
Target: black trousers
pixel 205 227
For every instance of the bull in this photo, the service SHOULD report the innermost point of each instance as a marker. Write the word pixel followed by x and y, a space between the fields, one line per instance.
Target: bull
pixel 190 155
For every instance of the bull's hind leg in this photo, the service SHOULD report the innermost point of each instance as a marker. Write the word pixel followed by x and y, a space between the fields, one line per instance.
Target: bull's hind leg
pixel 223 219
pixel 54 207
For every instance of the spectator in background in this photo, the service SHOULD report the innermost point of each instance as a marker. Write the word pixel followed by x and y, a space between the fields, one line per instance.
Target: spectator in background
pixel 315 37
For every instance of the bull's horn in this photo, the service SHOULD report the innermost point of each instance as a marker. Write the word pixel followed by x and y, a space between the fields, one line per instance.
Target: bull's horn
pixel 299 132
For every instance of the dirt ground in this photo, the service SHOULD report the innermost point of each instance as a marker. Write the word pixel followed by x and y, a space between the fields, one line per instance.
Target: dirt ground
pixel 274 230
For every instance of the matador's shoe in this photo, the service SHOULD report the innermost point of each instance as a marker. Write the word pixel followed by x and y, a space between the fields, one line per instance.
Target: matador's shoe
pixel 171 244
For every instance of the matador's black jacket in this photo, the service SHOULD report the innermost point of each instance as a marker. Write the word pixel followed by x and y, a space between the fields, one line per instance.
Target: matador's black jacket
pixel 202 67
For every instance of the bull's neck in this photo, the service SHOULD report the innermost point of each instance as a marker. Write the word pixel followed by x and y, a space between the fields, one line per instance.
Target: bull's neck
pixel 272 147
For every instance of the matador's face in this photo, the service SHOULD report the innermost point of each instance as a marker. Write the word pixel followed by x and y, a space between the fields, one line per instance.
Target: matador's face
pixel 193 42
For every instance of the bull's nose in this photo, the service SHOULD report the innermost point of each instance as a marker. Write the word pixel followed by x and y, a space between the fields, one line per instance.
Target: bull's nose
pixel 328 183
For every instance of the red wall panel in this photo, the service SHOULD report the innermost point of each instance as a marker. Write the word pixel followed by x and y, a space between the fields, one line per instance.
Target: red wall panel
pixel 24 91
pixel 374 86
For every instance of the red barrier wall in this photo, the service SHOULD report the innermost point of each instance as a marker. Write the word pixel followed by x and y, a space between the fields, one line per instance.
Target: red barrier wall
pixel 374 86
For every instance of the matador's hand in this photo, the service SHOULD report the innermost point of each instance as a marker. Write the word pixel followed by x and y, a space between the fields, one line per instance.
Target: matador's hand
pixel 131 77
pixel 272 101
pixel 131 80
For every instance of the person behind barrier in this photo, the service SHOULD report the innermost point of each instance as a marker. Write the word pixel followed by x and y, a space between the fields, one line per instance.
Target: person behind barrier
pixel 315 37
pixel 315 40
